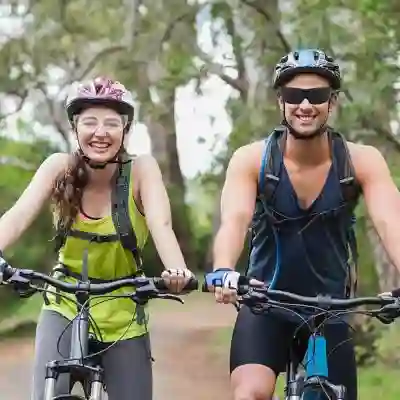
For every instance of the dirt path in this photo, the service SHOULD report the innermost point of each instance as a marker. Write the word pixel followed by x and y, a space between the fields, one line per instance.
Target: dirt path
pixel 183 339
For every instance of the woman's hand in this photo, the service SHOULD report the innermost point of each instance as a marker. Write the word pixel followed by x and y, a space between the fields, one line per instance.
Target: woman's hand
pixel 176 279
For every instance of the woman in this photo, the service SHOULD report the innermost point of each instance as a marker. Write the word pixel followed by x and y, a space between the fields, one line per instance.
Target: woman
pixel 81 187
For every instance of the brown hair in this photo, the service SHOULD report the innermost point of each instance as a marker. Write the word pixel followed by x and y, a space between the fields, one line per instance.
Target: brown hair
pixel 68 191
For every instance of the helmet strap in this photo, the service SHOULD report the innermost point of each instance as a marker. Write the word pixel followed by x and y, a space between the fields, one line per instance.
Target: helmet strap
pixel 113 160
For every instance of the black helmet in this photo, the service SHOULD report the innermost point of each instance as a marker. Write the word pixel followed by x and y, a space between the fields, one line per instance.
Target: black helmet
pixel 307 61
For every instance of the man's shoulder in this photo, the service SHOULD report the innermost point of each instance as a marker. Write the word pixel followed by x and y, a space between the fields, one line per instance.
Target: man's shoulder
pixel 250 149
pixel 364 157
pixel 362 152
pixel 250 155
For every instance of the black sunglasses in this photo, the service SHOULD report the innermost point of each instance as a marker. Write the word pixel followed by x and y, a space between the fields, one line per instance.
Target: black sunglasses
pixel 292 95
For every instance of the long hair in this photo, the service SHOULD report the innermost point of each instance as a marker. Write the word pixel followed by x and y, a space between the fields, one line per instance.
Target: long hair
pixel 68 191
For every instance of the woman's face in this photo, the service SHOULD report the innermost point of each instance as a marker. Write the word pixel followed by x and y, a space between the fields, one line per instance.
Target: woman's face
pixel 100 133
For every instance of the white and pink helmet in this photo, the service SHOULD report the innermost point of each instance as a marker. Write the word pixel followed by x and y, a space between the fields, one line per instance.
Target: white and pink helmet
pixel 100 91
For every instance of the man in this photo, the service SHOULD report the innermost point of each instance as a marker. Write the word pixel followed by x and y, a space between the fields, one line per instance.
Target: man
pixel 299 188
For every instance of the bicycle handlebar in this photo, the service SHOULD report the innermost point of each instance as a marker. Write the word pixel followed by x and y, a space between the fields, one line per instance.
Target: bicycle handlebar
pixel 263 295
pixel 254 295
pixel 14 275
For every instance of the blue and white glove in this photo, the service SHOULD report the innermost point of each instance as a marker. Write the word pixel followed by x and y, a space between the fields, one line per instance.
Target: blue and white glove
pixel 224 282
pixel 223 277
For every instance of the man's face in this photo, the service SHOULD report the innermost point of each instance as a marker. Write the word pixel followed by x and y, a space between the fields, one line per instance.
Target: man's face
pixel 305 101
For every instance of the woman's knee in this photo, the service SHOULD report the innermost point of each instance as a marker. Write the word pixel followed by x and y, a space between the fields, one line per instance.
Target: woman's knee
pixel 253 382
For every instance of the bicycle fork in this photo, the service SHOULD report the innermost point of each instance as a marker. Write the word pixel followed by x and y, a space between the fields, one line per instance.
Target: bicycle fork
pixel 55 368
pixel 316 374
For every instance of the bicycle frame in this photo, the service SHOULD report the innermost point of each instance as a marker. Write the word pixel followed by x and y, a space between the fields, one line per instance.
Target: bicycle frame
pixel 76 365
pixel 316 368
pixel 261 298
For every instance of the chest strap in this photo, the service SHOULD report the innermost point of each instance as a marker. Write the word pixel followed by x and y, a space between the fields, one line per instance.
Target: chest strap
pixel 125 234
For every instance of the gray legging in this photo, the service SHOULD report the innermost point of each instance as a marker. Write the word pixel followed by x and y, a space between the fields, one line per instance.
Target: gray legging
pixel 127 365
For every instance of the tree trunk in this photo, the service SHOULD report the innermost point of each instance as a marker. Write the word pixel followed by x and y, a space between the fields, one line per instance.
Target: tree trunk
pixel 254 81
pixel 161 128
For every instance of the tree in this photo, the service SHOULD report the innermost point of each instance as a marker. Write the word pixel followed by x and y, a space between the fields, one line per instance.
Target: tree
pixel 58 47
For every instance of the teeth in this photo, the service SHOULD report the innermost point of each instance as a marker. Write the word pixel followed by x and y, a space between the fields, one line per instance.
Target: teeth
pixel 100 145
pixel 305 117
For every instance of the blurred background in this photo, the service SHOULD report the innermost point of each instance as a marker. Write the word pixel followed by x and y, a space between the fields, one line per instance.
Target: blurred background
pixel 201 73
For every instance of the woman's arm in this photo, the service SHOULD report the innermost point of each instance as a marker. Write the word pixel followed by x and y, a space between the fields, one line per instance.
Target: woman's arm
pixel 157 209
pixel 20 216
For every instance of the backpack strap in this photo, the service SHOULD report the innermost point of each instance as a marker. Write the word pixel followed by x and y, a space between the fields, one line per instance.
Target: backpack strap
pixel 270 165
pixel 120 212
pixel 351 191
pixel 62 234
pixel 60 238
pixel 268 180
pixel 120 215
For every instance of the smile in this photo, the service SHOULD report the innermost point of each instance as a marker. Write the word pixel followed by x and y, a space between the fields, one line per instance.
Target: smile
pixel 100 146
pixel 306 118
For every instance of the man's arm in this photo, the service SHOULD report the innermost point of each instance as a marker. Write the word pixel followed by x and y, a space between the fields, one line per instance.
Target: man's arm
pixel 382 199
pixel 237 207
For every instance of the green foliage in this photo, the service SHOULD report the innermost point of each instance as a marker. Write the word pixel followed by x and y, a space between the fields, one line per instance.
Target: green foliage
pixel 20 161
pixel 152 50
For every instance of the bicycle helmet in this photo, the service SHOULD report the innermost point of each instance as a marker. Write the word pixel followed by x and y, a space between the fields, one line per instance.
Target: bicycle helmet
pixel 307 61
pixel 100 91
pixel 105 92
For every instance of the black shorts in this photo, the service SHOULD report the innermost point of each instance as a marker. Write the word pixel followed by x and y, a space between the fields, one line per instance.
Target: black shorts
pixel 267 340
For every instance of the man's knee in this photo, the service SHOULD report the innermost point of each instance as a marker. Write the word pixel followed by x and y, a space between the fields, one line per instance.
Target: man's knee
pixel 253 382
pixel 249 393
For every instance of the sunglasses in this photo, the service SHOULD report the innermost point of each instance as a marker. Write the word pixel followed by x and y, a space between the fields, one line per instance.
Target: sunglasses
pixel 292 95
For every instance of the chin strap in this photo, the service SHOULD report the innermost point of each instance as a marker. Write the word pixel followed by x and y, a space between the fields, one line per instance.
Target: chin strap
pixel 114 160
pixel 95 165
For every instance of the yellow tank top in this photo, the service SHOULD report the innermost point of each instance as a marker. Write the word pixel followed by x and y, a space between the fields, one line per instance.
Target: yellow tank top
pixel 115 317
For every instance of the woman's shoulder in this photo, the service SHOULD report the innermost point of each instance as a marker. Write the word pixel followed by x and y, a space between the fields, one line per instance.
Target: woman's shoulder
pixel 143 159
pixel 143 163
pixel 145 167
pixel 57 162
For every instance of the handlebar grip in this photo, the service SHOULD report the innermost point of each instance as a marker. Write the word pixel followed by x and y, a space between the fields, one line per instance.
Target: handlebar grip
pixel 396 292
pixel 7 271
pixel 204 287
pixel 193 284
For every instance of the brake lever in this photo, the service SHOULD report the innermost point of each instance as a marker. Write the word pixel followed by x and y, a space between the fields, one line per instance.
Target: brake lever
pixel 387 314
pixel 146 292
pixel 143 298
pixel 21 285
pixel 169 296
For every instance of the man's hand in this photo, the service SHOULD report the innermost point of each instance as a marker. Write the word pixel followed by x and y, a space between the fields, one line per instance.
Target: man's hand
pixel 227 293
pixel 224 283
pixel 176 279
pixel 393 293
